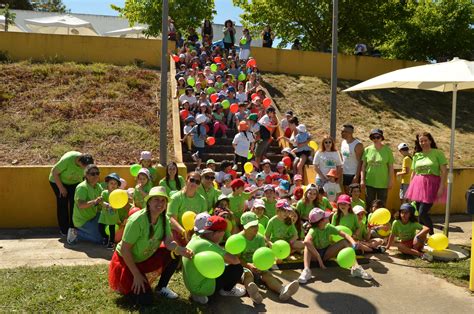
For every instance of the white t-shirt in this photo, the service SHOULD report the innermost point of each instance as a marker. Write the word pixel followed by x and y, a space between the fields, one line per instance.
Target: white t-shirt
pixel 243 141
pixel 187 129
pixel 241 97
pixel 349 158
pixel 331 189
pixel 192 99
pixel 265 120
pixel 327 161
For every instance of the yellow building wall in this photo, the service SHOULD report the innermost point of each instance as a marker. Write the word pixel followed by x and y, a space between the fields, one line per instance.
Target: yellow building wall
pixel 463 179
pixel 44 47
pixel 27 200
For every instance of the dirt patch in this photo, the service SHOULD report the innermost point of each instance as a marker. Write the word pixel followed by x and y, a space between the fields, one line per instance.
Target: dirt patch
pixel 48 109
pixel 400 113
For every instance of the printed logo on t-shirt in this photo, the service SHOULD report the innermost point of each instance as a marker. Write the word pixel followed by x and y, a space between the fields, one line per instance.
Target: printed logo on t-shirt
pixel 346 153
pixel 330 163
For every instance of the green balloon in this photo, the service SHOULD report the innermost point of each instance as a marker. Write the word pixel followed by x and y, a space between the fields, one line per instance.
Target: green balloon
pixel 243 41
pixel 210 264
pixel 281 249
pixel 235 244
pixel 242 76
pixel 346 258
pixel 337 238
pixel 191 81
pixel 134 169
pixel 214 67
pixel 250 155
pixel 225 104
pixel 263 258
pixel 210 90
pixel 107 231
pixel 261 229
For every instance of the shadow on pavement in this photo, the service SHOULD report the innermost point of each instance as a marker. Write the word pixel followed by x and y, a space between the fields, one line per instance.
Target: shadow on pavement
pixel 338 302
pixel 92 250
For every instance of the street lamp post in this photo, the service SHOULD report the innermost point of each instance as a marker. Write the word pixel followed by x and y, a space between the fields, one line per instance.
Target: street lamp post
pixel 335 14
pixel 164 84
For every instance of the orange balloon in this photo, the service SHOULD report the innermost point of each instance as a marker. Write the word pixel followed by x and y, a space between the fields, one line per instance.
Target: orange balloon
pixel 217 59
pixel 184 114
pixel 251 63
pixel 267 102
pixel 234 108
pixel 254 95
pixel 287 161
pixel 214 98
pixel 210 141
pixel 233 173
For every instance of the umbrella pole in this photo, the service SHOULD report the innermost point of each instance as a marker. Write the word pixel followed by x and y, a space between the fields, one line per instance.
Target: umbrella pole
pixel 451 160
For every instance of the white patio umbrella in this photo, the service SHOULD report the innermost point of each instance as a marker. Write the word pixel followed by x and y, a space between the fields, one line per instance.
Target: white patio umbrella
pixel 11 27
pixel 61 24
pixel 450 76
pixel 135 31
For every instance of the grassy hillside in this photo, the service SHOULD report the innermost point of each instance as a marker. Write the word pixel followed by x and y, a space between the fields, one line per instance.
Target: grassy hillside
pixel 48 109
pixel 400 113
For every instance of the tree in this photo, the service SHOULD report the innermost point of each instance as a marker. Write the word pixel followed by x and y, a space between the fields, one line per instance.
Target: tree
pixel 185 13
pixel 49 6
pixel 17 4
pixel 9 16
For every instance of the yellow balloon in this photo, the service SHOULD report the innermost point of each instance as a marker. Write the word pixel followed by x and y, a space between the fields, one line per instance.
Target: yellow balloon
pixel 313 145
pixel 188 220
pixel 383 233
pixel 380 216
pixel 248 167
pixel 118 198
pixel 438 241
pixel 215 185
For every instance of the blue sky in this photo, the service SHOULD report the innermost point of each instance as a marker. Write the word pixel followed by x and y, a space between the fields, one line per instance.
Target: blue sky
pixel 225 9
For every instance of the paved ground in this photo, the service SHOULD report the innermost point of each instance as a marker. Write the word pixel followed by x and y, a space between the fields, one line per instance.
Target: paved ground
pixel 397 287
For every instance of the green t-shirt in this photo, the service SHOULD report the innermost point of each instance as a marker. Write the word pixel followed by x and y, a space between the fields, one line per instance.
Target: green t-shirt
pixel 263 220
pixel 405 232
pixel 237 203
pixel 377 163
pixel 362 231
pixel 428 163
pixel 153 174
pixel 85 192
pixel 303 209
pixel 211 196
pixel 69 171
pixel 137 233
pixel 279 230
pixel 251 246
pixel 359 202
pixel 270 207
pixel 325 204
pixel 171 186
pixel 180 204
pixel 321 237
pixel 108 216
pixel 349 220
pixel 138 198
pixel 195 282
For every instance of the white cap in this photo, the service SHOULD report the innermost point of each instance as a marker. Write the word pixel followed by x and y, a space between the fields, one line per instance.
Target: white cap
pixel 201 118
pixel 145 155
pixel 402 146
pixel 301 128
pixel 358 209
pixel 200 222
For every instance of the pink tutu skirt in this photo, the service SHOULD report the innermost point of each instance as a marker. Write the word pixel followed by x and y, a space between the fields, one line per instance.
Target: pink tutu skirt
pixel 424 188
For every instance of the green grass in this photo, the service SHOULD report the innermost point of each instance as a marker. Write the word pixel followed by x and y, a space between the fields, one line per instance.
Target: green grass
pixel 77 289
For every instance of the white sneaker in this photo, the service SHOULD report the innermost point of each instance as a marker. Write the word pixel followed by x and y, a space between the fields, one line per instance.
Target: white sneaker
pixel 427 257
pixel 358 271
pixel 235 292
pixel 305 275
pixel 168 293
pixel 195 156
pixel 235 167
pixel 253 293
pixel 71 236
pixel 288 290
pixel 199 299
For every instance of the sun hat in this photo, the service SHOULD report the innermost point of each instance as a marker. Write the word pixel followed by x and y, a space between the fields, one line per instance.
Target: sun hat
pixel 253 117
pixel 283 204
pixel 297 177
pixel 298 193
pixel 286 150
pixel 301 128
pixel 316 214
pixel 358 209
pixel 275 176
pixel 259 176
pixel 157 191
pixel 227 177
pixel 280 164
pixel 201 118
pixel 182 55
pixel 207 171
pixel 259 203
pixel 144 171
pixel 200 222
pixel 408 207
pixel 268 187
pixel 237 183
pixel 403 146
pixel 266 161
pixel 113 176
pixel 248 219
pixel 332 173
pixel 216 223
pixel 285 185
pixel 189 119
pixel 376 132
pixel 344 198
pixel 210 161
pixel 222 197
pixel 145 155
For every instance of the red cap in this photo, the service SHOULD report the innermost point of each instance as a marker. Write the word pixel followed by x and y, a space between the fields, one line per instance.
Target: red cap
pixel 344 198
pixel 216 223
pixel 237 183
pixel 298 193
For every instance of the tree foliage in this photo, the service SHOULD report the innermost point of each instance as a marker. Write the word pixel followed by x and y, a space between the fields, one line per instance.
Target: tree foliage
pixel 399 28
pixel 9 16
pixel 36 5
pixel 185 13
pixel 17 4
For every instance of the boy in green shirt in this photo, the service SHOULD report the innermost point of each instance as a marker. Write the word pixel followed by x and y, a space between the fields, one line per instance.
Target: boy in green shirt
pixel 254 241
pixel 281 227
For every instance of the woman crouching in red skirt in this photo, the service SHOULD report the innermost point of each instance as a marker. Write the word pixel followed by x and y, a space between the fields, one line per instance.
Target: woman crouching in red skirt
pixel 145 252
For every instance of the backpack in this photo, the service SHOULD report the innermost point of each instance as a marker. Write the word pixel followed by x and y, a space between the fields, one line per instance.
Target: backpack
pixel 264 133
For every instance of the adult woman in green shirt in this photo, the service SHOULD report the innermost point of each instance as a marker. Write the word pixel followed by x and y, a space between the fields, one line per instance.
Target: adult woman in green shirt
pixel 64 177
pixel 146 247
pixel 427 184
pixel 172 181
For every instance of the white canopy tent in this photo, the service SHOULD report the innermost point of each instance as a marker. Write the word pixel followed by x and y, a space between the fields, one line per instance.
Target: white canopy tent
pixel 130 32
pixel 61 24
pixel 11 27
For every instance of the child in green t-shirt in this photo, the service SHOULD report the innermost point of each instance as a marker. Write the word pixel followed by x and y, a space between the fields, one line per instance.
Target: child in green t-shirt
pixel 366 244
pixel 254 241
pixel 318 245
pixel 142 188
pixel 345 216
pixel 146 162
pixel 269 200
pixel 259 209
pixel 281 227
pixel 237 199
pixel 354 192
pixel 377 231
pixel 411 235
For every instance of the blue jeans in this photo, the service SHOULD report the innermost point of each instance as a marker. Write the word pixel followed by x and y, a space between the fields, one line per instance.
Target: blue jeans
pixel 90 231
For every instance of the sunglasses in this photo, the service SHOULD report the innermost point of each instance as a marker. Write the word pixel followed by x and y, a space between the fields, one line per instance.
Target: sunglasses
pixel 192 180
pixel 209 177
pixel 327 142
pixel 94 174
pixel 376 137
